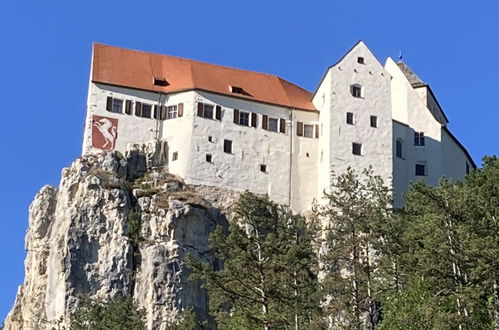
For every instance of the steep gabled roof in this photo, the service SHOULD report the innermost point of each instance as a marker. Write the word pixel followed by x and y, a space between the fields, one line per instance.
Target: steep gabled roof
pixel 136 69
pixel 410 75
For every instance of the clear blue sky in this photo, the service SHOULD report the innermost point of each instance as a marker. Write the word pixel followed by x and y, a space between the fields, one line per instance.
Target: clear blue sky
pixel 45 49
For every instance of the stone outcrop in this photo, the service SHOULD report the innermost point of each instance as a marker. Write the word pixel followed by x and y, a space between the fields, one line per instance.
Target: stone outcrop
pixel 117 225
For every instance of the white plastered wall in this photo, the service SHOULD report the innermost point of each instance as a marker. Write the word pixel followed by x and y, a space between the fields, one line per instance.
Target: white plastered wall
pixel 375 100
pixel 412 115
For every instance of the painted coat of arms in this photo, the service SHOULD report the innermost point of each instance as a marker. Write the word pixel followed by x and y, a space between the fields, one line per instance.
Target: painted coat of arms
pixel 104 132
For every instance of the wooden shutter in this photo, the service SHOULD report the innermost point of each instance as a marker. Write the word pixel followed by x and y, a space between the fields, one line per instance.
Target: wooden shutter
pixel 180 109
pixel 162 113
pixel 299 128
pixel 156 112
pixel 265 121
pixel 128 107
pixel 316 131
pixel 282 125
pixel 109 103
pixel 200 109
pixel 218 112
pixel 236 116
pixel 138 109
pixel 254 117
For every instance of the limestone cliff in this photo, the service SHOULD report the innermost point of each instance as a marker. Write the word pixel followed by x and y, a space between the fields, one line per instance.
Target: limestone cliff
pixel 116 225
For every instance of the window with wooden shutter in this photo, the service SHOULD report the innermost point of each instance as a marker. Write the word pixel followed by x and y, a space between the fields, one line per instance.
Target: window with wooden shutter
pixel 299 128
pixel 282 125
pixel 162 112
pixel 109 103
pixel 180 109
pixel 156 112
pixel 236 116
pixel 200 109
pixel 138 109
pixel 128 107
pixel 254 119
pixel 265 121
pixel 218 112
pixel 316 131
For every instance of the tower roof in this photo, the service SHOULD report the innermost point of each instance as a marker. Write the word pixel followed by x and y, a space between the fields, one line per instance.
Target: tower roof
pixel 136 69
pixel 413 78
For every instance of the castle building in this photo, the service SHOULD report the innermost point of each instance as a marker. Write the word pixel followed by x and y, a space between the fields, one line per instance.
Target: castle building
pixel 244 130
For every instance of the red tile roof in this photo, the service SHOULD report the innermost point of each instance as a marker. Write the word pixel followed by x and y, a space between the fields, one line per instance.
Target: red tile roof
pixel 136 69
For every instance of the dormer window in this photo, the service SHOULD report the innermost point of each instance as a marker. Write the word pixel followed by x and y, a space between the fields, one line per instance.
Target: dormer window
pixel 360 60
pixel 239 90
pixel 160 82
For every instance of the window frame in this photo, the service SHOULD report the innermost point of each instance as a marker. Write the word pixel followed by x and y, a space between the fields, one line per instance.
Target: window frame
pixel 310 130
pixel 357 91
pixel 244 118
pixel 356 147
pixel 271 122
pixel 399 152
pixel 373 124
pixel 228 146
pixel 174 113
pixel 424 166
pixel 419 139
pixel 350 120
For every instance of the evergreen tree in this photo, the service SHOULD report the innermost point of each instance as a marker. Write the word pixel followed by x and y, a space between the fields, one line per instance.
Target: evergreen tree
pixel 119 313
pixel 269 274
pixel 356 210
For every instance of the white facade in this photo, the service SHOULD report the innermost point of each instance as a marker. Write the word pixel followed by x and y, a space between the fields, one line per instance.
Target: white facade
pixel 291 159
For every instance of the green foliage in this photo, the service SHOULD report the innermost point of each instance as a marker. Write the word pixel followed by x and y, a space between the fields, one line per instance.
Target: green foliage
pixel 189 322
pixel 134 227
pixel 117 314
pixel 448 255
pixel 269 278
pixel 356 213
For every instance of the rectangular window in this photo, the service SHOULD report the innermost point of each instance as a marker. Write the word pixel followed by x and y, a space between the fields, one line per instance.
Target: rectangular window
pixel 175 156
pixel 360 60
pixel 117 106
pixel 419 139
pixel 356 91
pixel 244 118
pixel 228 146
pixel 308 131
pixel 263 168
pixel 349 118
pixel 146 110
pixel 467 168
pixel 205 110
pixel 357 149
pixel 273 124
pixel 171 112
pixel 208 158
pixel 282 125
pixel 374 121
pixel 420 169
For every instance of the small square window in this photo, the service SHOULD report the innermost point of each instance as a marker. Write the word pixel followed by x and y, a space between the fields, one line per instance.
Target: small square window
pixel 356 90
pixel 228 146
pixel 244 118
pixel 308 131
pixel 171 112
pixel 210 138
pixel 419 139
pixel 357 149
pixel 160 82
pixel 420 169
pixel 374 121
pixel 273 124
pixel 174 156
pixel 208 158
pixel 263 168
pixel 349 118
pixel 146 110
pixel 208 111
pixel 360 60
pixel 117 106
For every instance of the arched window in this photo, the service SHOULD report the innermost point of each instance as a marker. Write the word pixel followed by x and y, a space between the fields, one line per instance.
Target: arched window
pixel 399 146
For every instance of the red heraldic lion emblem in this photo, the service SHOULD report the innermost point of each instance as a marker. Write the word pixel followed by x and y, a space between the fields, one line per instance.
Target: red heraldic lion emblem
pixel 104 132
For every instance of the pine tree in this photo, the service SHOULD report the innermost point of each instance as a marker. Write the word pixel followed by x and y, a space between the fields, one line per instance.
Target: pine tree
pixel 269 274
pixel 355 211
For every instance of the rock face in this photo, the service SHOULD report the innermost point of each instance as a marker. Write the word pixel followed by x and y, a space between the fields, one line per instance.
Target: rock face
pixel 116 226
